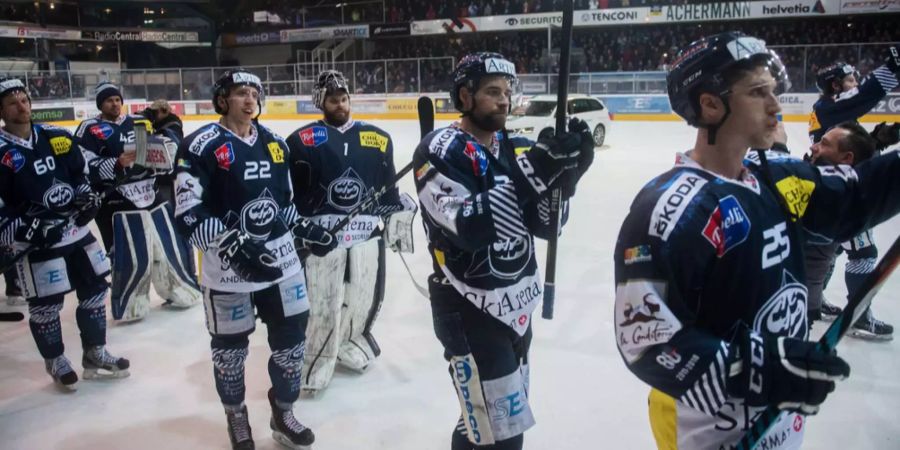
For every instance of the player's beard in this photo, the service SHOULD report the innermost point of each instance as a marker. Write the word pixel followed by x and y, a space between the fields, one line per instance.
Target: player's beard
pixel 489 122
pixel 335 118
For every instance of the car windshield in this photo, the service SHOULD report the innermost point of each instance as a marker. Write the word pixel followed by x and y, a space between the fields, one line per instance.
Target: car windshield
pixel 540 108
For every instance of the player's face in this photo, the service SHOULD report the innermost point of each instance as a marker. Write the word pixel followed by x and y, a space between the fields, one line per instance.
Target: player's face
pixel 112 107
pixel 492 103
pixel 16 108
pixel 754 108
pixel 849 82
pixel 336 108
pixel 242 102
pixel 827 150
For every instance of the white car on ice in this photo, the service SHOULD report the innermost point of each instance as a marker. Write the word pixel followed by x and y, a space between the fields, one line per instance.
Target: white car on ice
pixel 539 117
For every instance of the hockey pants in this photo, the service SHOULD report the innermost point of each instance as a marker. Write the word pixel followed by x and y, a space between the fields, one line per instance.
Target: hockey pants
pixel 346 289
pixel 146 247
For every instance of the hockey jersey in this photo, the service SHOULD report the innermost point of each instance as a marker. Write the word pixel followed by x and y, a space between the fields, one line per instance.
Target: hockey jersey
pixel 39 177
pixel 334 169
pixel 102 142
pixel 223 182
pixel 480 231
pixel 699 254
pixel 851 105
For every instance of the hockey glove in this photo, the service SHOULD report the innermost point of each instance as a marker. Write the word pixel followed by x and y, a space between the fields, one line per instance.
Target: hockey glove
pixel 886 135
pixel 585 156
pixel 40 233
pixel 317 239
pixel 792 374
pixel 88 204
pixel 540 168
pixel 892 60
pixel 247 258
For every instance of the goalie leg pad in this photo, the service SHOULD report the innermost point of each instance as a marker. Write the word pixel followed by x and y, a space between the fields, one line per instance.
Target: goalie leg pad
pixel 362 302
pixel 173 272
pixel 325 282
pixel 131 263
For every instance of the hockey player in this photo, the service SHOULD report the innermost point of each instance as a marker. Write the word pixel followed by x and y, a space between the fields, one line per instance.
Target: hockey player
pixel 844 97
pixel 849 144
pixel 710 306
pixel 484 197
pixel 135 223
pixel 233 202
pixel 47 204
pixel 336 163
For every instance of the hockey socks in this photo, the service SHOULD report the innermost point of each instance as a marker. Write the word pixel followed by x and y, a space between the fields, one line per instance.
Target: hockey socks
pixel 91 319
pixel 228 359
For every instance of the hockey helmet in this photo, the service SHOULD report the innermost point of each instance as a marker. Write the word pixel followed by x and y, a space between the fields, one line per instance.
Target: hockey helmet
pixel 327 83
pixel 836 72
pixel 8 85
pixel 473 67
pixel 703 65
pixel 232 78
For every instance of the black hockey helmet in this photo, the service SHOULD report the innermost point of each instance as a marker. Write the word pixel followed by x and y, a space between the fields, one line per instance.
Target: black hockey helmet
pixel 836 72
pixel 328 82
pixel 232 78
pixel 473 67
pixel 8 85
pixel 701 68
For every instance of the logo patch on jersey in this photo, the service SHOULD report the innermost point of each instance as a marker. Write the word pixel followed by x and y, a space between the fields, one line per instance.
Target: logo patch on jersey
pixel 507 258
pixel 784 314
pixel 728 225
pixel 421 171
pixel 479 159
pixel 441 141
pixel 58 198
pixel 183 163
pixel 638 254
pixel 102 131
pixel 258 215
pixel 314 136
pixel 60 145
pixel 225 156
pixel 672 203
pixel 814 124
pixel 14 160
pixel 373 139
pixel 642 318
pixel 346 191
pixel 200 142
pixel 276 152
pixel 796 193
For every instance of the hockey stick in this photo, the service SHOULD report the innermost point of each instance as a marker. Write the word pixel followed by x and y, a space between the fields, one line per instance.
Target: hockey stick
pixel 562 94
pixel 855 308
pixel 369 201
pixel 13 316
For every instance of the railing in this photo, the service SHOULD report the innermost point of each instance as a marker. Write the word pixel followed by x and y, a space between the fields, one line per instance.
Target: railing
pixel 410 76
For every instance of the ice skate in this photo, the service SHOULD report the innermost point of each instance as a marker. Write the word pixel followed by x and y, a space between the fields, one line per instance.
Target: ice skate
pixel 99 364
pixel 60 369
pixel 285 427
pixel 239 431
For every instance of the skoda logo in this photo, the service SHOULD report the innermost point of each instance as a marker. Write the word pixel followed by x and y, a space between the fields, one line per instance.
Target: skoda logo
pixel 257 217
pixel 345 193
pixel 509 257
pixel 58 198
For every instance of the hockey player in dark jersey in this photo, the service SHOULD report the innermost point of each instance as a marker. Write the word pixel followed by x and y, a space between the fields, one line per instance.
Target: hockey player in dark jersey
pixel 484 197
pixel 47 204
pixel 233 201
pixel 336 163
pixel 849 144
pixel 135 223
pixel 846 97
pixel 710 306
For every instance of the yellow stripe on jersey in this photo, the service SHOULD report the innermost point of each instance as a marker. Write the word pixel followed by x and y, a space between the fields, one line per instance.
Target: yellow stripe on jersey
pixel 663 420
pixel 439 256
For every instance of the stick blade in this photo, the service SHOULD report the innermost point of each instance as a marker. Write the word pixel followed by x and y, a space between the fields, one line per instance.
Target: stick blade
pixel 426 115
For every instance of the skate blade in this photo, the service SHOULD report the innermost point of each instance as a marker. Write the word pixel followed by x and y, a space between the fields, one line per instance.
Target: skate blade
pixel 103 374
pixel 285 441
pixel 867 336
pixel 67 388
pixel 311 393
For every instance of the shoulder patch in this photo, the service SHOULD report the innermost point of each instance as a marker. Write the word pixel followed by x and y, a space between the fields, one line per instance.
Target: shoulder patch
pixel 373 139
pixel 276 151
pixel 60 145
pixel 442 140
pixel 672 203
pixel 796 193
pixel 203 139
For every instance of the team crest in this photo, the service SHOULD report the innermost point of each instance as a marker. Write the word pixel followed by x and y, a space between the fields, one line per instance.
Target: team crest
pixel 346 191
pixel 784 314
pixel 58 198
pixel 258 216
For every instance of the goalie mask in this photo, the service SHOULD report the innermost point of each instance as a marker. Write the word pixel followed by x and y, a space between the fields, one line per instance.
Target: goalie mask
pixel 328 82
pixel 233 78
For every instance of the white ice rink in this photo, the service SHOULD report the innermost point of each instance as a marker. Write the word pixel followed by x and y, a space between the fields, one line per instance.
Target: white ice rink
pixel 583 397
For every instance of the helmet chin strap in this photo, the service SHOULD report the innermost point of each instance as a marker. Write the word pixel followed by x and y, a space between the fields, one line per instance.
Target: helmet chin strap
pixel 712 130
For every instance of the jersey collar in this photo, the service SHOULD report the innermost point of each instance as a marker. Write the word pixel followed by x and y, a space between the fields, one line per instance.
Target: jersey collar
pixel 118 120
pixel 27 143
pixel 494 148
pixel 746 179
pixel 249 140
pixel 343 128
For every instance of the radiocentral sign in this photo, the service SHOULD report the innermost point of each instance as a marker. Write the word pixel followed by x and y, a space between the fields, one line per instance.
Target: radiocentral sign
pixel 170 36
pixel 111 35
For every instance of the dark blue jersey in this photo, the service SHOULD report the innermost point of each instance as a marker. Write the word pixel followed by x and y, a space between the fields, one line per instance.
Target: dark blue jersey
pixel 480 230
pixel 334 169
pixel 102 142
pixel 225 182
pixel 850 105
pixel 39 177
pixel 698 255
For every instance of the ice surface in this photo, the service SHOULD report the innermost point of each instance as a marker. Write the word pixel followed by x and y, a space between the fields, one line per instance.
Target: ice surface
pixel 583 397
